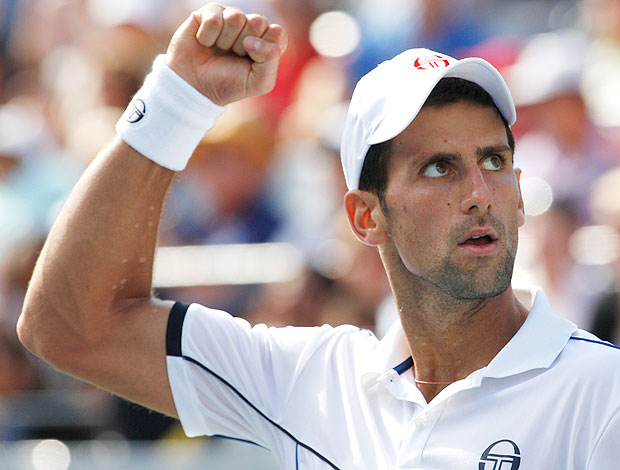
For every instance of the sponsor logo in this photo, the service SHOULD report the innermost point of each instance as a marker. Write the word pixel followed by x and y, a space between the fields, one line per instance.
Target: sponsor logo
pixel 138 111
pixel 501 455
pixel 434 61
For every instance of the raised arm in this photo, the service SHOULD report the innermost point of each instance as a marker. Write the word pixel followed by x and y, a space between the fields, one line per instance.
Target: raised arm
pixel 89 309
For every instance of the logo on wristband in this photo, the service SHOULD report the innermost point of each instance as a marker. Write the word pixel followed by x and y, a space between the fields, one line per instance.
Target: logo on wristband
pixel 138 112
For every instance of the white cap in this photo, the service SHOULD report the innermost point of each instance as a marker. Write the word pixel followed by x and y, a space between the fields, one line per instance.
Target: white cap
pixel 387 99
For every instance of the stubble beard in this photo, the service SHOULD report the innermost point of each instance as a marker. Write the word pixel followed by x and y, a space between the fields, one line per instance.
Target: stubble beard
pixel 478 282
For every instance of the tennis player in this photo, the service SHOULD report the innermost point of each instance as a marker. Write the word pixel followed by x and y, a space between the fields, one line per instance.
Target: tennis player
pixel 474 375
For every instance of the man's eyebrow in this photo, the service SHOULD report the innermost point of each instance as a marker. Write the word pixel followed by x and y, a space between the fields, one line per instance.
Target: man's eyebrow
pixel 439 156
pixel 491 149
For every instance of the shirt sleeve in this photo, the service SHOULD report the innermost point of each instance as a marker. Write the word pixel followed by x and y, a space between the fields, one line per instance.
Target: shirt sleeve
pixel 231 379
pixel 607 450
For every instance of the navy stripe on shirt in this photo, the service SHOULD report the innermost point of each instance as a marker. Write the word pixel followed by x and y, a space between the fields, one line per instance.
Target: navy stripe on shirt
pixel 173 348
pixel 595 341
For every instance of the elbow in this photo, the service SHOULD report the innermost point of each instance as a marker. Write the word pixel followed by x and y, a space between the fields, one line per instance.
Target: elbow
pixel 25 327
pixel 30 334
pixel 37 323
pixel 51 342
pixel 59 332
pixel 23 333
pixel 44 341
pixel 43 333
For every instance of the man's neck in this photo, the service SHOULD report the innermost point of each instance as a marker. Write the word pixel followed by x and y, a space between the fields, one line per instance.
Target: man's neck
pixel 450 340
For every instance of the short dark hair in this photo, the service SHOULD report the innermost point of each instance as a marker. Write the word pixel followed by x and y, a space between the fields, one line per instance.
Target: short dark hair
pixel 373 177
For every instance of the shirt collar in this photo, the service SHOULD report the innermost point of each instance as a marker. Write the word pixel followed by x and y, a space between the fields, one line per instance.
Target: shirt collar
pixel 388 353
pixel 536 345
pixel 539 341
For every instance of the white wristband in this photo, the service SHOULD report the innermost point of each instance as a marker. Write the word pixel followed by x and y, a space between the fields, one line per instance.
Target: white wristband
pixel 167 118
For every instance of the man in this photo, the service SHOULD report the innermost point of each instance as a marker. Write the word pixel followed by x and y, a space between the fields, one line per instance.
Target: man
pixel 470 377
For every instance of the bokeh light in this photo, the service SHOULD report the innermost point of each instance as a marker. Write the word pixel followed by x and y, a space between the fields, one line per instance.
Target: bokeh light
pixel 537 195
pixel 51 454
pixel 335 34
pixel 226 264
pixel 595 245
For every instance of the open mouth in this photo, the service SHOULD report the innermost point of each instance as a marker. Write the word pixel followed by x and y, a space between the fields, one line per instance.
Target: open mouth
pixel 478 241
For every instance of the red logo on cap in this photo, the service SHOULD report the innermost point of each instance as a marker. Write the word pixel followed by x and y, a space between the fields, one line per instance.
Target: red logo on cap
pixel 431 62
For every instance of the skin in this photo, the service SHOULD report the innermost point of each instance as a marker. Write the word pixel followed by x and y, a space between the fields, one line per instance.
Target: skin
pixel 89 310
pixel 450 176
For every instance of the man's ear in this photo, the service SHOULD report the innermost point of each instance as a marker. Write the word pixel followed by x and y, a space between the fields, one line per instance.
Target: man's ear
pixel 520 207
pixel 366 217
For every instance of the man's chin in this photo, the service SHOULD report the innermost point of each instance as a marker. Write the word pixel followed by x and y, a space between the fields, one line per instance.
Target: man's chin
pixel 479 292
pixel 478 284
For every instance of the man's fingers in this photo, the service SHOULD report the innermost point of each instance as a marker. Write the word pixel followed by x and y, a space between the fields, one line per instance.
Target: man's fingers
pixel 226 28
pixel 226 54
pixel 211 21
pixel 269 47
pixel 276 35
pixel 234 21
pixel 256 26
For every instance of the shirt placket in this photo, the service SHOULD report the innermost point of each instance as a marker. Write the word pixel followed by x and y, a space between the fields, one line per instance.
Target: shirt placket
pixel 425 417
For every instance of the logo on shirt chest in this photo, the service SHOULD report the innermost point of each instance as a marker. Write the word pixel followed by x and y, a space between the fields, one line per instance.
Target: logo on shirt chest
pixel 501 455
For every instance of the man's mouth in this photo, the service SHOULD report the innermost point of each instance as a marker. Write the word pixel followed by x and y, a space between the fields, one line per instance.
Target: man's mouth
pixel 478 240
pixel 481 241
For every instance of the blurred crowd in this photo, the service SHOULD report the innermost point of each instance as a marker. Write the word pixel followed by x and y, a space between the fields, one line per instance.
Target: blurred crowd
pixel 270 171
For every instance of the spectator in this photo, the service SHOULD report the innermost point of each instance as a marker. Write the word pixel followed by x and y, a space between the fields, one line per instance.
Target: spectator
pixel 564 147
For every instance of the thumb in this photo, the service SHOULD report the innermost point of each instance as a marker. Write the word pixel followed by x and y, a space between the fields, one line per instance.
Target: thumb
pixel 265 59
pixel 265 56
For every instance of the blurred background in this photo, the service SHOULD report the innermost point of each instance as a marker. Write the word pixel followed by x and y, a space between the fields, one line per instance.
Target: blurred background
pixel 255 224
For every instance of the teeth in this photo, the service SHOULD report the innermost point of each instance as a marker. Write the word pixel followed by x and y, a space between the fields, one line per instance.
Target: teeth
pixel 475 237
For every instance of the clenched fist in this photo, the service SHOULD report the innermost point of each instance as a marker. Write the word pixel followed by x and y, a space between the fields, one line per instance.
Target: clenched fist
pixel 226 54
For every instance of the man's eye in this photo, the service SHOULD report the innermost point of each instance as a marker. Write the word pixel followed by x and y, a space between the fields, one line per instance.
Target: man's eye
pixel 436 169
pixel 493 163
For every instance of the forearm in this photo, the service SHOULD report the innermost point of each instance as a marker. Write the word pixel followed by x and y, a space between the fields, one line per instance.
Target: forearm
pixel 88 310
pixel 98 257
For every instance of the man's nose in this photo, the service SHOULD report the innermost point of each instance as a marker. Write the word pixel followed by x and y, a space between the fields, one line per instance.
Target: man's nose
pixel 477 195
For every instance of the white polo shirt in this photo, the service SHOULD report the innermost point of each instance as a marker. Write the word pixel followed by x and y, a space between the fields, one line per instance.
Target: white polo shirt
pixel 328 397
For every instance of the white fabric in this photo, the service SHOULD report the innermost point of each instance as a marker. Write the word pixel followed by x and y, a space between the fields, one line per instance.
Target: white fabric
pixel 388 98
pixel 547 400
pixel 167 118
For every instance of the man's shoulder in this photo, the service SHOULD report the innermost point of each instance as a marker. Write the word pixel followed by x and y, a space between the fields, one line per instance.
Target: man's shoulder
pixel 202 322
pixel 588 355
pixel 586 342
